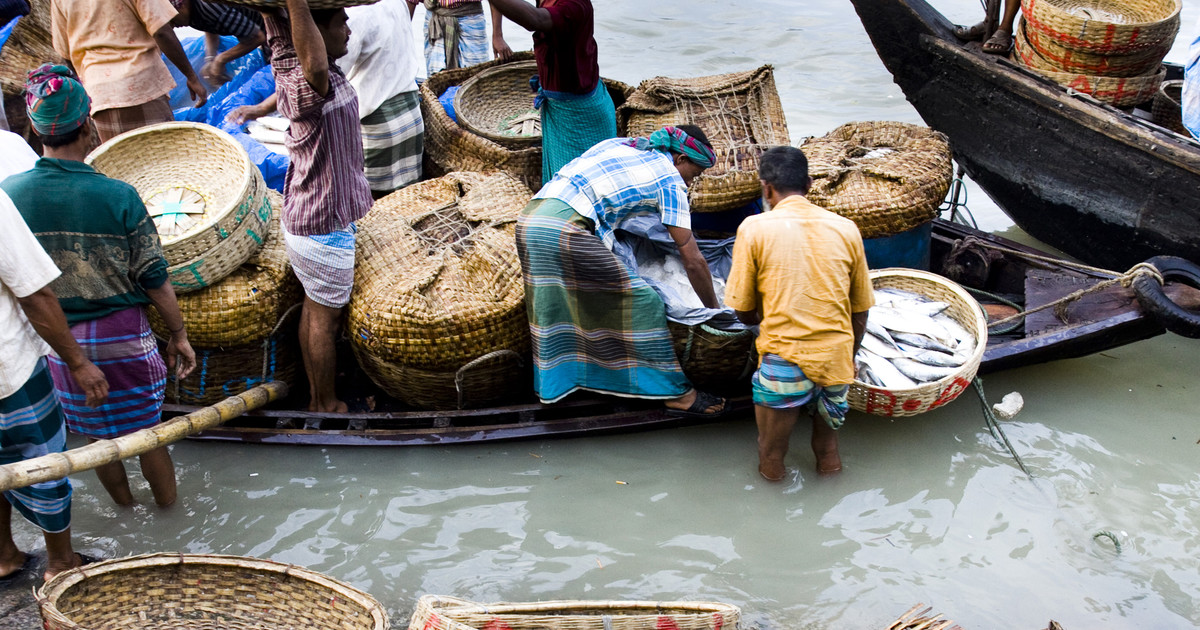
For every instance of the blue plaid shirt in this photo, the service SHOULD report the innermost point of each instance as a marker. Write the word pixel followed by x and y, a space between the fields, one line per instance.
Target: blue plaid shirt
pixel 613 181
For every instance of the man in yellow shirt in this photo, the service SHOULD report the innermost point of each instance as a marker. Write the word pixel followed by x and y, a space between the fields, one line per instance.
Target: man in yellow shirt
pixel 800 272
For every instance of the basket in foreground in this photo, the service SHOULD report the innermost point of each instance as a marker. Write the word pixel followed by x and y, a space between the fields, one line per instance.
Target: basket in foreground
pixel 199 174
pixel 1105 27
pixel 447 613
pixel 168 591
pixel 486 101
pixel 927 396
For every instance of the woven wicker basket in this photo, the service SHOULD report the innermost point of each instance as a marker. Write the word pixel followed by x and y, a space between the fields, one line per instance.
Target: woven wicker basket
pixel 1106 27
pixel 208 164
pixel 1039 52
pixel 28 47
pixel 888 177
pixel 169 591
pixel 1116 91
pixel 450 147
pixel 739 112
pixel 231 370
pixel 487 100
pixel 714 359
pixel 448 613
pixel 437 282
pixel 1167 109
pixel 927 396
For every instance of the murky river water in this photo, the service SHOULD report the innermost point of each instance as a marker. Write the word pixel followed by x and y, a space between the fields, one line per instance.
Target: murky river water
pixel 929 509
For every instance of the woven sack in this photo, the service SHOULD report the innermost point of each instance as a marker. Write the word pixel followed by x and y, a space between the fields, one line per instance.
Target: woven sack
pixel 739 112
pixel 713 359
pixel 28 47
pixel 208 164
pixel 487 100
pixel 175 591
pixel 926 396
pixel 1037 51
pixel 437 282
pixel 1105 27
pixel 888 177
pixel 448 613
pixel 1167 109
pixel 450 147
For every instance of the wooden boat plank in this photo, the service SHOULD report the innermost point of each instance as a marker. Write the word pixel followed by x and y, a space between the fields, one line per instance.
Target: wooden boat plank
pixel 1044 287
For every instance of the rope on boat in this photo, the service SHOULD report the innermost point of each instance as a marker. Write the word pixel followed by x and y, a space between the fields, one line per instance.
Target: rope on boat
pixel 993 426
pixel 1006 302
pixel 959 212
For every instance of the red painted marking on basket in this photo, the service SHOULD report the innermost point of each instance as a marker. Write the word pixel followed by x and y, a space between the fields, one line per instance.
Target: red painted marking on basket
pixel 718 621
pixel 496 624
pixel 666 623
pixel 876 396
pixel 956 387
pixel 432 623
pixel 912 404
pixel 1107 47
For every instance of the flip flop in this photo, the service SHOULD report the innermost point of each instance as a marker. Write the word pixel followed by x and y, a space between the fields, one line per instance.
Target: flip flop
pixel 970 33
pixel 21 570
pixel 998 44
pixel 703 401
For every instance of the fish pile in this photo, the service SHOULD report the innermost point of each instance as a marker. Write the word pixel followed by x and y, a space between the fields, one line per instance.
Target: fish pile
pixel 668 273
pixel 910 340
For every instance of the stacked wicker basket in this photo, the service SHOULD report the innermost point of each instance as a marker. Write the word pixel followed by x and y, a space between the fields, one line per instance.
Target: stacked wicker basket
pixel 437 315
pixel 888 177
pixel 1110 49
pixel 739 112
pixel 28 47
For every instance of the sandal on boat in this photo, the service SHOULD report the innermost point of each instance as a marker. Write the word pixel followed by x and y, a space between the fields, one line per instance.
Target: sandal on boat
pixel 970 33
pixel 19 571
pixel 999 43
pixel 703 401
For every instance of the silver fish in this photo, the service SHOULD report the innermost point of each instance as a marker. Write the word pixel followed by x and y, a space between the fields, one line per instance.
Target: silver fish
pixel 932 357
pixel 865 374
pixel 900 321
pixel 920 372
pixel 885 372
pixel 955 329
pixel 922 341
pixel 886 349
pixel 877 329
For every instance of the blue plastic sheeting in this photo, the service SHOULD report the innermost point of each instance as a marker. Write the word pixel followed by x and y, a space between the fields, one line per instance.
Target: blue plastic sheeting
pixel 7 30
pixel 254 89
pixel 240 69
pixel 907 249
pixel 447 101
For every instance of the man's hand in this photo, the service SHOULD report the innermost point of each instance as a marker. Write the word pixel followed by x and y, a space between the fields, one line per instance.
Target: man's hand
pixel 214 73
pixel 91 380
pixel 197 90
pixel 241 115
pixel 181 358
pixel 500 47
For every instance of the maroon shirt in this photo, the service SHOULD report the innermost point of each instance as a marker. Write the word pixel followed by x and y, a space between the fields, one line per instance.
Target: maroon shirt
pixel 566 54
pixel 325 188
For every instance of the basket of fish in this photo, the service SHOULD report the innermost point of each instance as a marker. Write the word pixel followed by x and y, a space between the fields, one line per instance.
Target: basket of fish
pixel 925 338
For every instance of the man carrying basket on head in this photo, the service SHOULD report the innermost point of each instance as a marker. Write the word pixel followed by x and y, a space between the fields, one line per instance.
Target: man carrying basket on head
pixel 596 325
pixel 800 272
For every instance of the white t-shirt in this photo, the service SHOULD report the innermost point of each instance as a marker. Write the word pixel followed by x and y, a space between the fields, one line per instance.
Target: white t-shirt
pixel 24 269
pixel 382 57
pixel 16 156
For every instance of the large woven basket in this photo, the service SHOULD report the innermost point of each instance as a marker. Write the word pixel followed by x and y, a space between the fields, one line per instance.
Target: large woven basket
pixel 1039 52
pixel 1106 27
pixel 447 613
pixel 489 99
pixel 28 47
pixel 228 371
pixel 1116 91
pixel 209 165
pixel 451 147
pixel 169 591
pixel 714 359
pixel 739 112
pixel 1167 109
pixel 437 282
pixel 927 396
pixel 888 177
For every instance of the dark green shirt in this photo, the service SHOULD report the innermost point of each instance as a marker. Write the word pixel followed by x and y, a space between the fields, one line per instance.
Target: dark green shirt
pixel 98 233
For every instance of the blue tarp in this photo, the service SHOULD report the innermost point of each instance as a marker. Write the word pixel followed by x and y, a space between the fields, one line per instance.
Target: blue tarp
pixel 7 30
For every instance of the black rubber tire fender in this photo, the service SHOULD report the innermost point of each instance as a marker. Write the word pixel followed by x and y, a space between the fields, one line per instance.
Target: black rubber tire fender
pixel 1154 300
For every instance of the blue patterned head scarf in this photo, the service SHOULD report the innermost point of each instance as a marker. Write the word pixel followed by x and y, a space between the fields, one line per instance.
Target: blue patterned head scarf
pixel 55 100
pixel 674 140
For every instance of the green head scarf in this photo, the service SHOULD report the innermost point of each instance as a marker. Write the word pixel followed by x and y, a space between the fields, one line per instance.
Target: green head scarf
pixel 55 100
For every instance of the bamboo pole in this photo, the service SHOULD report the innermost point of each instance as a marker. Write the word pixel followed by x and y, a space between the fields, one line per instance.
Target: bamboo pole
pixel 59 465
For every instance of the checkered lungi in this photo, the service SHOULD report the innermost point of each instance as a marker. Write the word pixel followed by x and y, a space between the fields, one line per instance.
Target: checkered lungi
pixel 781 384
pixel 31 426
pixel 324 263
pixel 117 120
pixel 394 142
pixel 473 44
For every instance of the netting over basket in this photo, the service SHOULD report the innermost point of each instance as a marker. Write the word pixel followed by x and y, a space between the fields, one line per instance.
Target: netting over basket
pixel 1106 27
pixel 171 591
pixel 888 177
pixel 926 396
pixel 740 113
pixel 437 286
pixel 448 613
pixel 206 197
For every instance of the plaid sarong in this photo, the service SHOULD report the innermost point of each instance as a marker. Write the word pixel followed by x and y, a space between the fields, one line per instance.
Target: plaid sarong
pixel 394 142
pixel 324 263
pixel 31 426
pixel 781 384
pixel 117 120
pixel 595 325
pixel 572 124
pixel 473 44
pixel 122 346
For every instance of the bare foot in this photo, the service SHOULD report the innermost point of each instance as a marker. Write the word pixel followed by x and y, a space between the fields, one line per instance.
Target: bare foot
pixel 772 470
pixel 337 406
pixel 684 402
pixel 54 566
pixel 829 464
pixel 12 562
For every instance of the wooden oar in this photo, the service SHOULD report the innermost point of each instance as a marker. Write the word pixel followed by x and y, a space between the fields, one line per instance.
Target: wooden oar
pixel 59 465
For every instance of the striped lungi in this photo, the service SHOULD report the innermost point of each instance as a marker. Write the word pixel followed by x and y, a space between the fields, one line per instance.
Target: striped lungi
pixel 394 142
pixel 781 384
pixel 122 346
pixel 473 44
pixel 31 426
pixel 324 263
pixel 595 325
pixel 572 124
pixel 117 120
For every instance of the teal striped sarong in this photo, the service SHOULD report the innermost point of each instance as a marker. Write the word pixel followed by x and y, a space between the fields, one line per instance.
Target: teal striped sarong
pixel 572 124
pixel 781 384
pixel 31 425
pixel 595 325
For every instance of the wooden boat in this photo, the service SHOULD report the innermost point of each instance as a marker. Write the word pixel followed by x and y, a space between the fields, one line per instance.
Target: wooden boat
pixel 1099 183
pixel 995 268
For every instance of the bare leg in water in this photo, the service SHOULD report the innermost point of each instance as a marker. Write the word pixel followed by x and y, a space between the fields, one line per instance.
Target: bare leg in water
pixel 774 433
